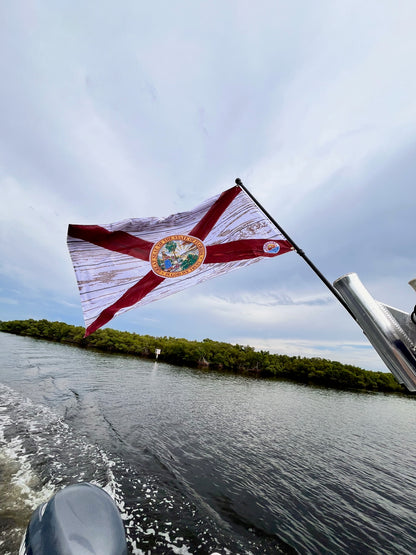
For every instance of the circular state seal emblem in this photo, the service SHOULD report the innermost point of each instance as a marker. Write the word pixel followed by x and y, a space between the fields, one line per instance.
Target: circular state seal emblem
pixel 271 247
pixel 177 255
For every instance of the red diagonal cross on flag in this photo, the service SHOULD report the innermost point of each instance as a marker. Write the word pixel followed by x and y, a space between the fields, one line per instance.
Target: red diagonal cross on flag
pixel 133 262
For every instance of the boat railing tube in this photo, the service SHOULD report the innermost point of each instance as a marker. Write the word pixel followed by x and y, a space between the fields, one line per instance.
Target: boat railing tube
pixel 391 331
pixel 80 519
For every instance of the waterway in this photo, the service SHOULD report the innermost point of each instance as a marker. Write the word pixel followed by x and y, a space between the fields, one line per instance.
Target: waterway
pixel 202 462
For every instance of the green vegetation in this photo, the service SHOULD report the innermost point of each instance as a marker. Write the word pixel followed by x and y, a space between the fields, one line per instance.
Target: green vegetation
pixel 211 354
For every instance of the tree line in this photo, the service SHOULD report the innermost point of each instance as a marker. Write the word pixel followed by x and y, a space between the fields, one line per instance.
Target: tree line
pixel 209 354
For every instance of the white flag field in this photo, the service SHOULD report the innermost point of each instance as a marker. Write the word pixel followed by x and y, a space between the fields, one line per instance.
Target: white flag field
pixel 133 262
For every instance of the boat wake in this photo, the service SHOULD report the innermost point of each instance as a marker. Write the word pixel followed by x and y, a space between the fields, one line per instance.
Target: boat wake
pixel 40 454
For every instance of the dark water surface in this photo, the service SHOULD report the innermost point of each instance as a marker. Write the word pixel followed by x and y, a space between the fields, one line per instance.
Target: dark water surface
pixel 203 462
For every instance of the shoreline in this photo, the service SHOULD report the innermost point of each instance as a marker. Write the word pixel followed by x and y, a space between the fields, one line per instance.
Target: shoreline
pixel 212 355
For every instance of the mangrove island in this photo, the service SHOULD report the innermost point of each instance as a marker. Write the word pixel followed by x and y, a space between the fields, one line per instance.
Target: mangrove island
pixel 212 355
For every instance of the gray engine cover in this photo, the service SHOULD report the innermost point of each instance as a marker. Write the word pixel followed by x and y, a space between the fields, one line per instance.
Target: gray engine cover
pixel 81 519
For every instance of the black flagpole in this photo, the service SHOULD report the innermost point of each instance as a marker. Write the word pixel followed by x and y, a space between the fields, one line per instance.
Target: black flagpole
pixel 296 248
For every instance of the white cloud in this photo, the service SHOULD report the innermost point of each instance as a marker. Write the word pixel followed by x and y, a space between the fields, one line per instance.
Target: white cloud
pixel 33 233
pixel 135 111
pixel 7 300
pixel 359 354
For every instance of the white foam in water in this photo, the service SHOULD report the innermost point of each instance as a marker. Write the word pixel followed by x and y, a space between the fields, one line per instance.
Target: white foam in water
pixel 111 487
pixel 24 478
pixel 33 439
pixel 45 433
pixel 179 550
pixel 18 496
pixel 13 455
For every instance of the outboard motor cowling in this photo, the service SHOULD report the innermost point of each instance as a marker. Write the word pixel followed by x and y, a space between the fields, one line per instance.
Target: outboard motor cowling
pixel 81 519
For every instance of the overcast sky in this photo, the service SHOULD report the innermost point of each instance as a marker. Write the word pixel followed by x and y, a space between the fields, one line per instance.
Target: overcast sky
pixel 135 109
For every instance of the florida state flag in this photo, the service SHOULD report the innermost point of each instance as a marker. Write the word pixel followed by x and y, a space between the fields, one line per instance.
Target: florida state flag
pixel 133 262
